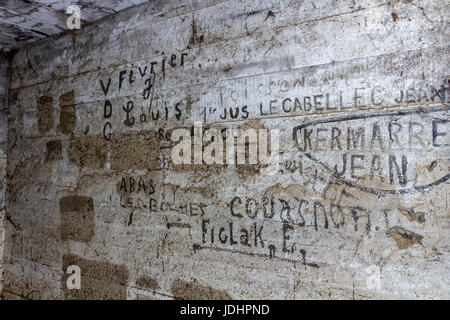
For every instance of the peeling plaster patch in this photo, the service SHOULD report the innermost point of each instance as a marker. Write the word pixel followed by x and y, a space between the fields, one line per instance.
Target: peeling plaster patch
pixel 67 99
pixel 45 114
pixel 135 151
pixel 412 215
pixel 67 120
pixel 77 218
pixel 87 152
pixel 147 283
pixel 54 151
pixel 404 238
pixel 67 117
pixel 183 290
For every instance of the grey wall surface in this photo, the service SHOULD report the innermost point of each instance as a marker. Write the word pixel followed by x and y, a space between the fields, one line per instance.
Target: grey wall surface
pixel 4 83
pixel 357 209
pixel 24 22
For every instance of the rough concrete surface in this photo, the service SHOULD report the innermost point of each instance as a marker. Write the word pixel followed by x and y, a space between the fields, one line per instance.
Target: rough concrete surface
pixel 357 209
pixel 4 83
pixel 25 21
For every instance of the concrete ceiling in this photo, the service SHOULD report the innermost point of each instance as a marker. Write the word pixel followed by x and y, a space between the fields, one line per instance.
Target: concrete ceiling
pixel 26 21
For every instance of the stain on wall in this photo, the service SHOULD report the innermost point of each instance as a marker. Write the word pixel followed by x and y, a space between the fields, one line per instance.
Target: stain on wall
pixel 67 116
pixel 135 151
pixel 183 290
pixel 404 238
pixel 89 152
pixel 53 151
pixel 147 283
pixel 77 218
pixel 45 114
pixel 99 281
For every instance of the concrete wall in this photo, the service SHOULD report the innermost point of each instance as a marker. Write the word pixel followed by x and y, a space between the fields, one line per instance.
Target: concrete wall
pixel 4 83
pixel 357 209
